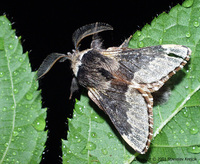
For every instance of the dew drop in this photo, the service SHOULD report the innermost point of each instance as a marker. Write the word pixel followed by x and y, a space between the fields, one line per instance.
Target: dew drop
pixel 194 149
pixel 39 124
pixel 104 151
pixel 15 90
pixel 14 153
pixel 185 112
pixel 196 24
pixel 96 118
pixel 110 135
pixel 187 124
pixel 4 109
pixel 15 133
pixel 1 74
pixel 79 110
pixel 194 130
pixel 15 73
pixel 181 131
pixel 93 135
pixel 178 144
pixel 138 33
pixel 6 144
pixel 160 41
pixel 29 96
pixel 11 46
pixel 188 34
pixel 140 44
pixel 28 82
pixel 13 107
pixel 187 3
pixel 20 59
pixel 90 146
pixel 19 129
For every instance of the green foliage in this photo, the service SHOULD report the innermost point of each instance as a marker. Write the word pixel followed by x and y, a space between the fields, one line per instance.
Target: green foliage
pixel 22 121
pixel 92 137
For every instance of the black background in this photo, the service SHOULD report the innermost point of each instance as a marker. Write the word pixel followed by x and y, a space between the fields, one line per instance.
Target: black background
pixel 46 27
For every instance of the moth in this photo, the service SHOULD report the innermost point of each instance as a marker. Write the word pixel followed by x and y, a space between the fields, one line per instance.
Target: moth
pixel 120 80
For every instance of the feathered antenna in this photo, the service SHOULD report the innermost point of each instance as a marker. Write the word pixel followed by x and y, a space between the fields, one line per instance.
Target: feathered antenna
pixel 88 30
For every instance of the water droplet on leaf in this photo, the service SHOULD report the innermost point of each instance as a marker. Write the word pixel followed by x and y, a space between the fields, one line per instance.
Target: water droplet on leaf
pixel 110 135
pixel 140 44
pixel 138 33
pixel 79 110
pixel 15 133
pixel 4 109
pixel 1 74
pixel 29 96
pixel 188 34
pixel 15 73
pixel 15 90
pixel 160 41
pixel 194 130
pixel 93 135
pixel 39 124
pixel 90 146
pixel 104 151
pixel 11 46
pixel 196 24
pixel 96 118
pixel 187 3
pixel 194 149
pixel 187 124
pixel 20 59
pixel 185 112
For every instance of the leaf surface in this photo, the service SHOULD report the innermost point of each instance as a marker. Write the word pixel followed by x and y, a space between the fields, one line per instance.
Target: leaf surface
pixel 22 121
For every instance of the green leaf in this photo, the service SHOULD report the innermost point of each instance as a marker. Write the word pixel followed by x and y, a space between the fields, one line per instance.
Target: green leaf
pixel 22 121
pixel 176 122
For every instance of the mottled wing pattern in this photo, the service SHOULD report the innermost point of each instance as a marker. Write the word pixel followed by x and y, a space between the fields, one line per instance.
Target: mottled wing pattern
pixel 151 66
pixel 127 99
pixel 129 112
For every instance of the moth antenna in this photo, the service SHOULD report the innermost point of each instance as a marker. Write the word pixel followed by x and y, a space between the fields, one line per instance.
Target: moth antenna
pixel 88 30
pixel 48 62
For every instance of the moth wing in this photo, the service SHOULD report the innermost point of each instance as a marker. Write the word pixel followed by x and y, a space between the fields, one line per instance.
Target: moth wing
pixel 130 114
pixel 151 66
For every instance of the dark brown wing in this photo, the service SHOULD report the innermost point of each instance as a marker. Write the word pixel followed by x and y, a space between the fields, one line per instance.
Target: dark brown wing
pixel 130 110
pixel 150 66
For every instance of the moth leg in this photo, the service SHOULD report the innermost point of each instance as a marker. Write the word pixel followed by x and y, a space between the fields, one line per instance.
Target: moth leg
pixel 125 43
pixel 74 87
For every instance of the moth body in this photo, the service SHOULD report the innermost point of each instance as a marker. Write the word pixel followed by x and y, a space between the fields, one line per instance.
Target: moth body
pixel 120 80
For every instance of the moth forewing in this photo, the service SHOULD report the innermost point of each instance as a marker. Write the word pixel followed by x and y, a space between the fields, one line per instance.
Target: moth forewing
pixel 120 80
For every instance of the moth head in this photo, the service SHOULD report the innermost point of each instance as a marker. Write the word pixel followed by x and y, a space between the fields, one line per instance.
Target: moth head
pixel 78 35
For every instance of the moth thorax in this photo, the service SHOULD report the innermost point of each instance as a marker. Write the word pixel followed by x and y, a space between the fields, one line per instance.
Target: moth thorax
pixel 76 60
